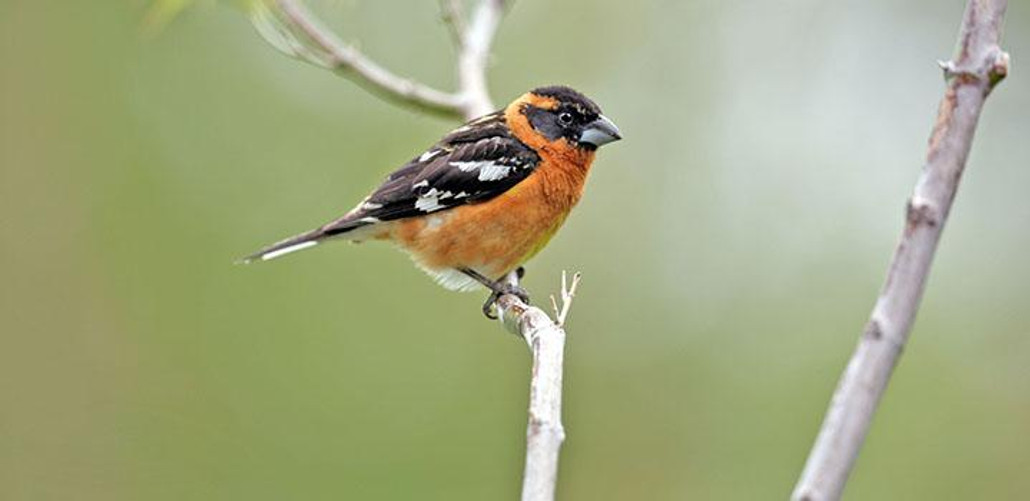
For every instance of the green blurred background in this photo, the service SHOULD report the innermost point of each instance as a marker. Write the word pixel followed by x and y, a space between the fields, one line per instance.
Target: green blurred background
pixel 732 246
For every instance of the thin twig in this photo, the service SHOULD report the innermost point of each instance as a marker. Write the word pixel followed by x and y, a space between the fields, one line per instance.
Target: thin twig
pixel 474 56
pixel 977 67
pixel 349 61
pixel 454 18
pixel 290 27
pixel 568 292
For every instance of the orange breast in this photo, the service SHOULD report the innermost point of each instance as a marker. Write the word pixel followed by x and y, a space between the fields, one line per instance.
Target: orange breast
pixel 496 236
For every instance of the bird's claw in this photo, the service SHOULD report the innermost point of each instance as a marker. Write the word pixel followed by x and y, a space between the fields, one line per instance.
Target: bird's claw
pixel 505 288
pixel 488 306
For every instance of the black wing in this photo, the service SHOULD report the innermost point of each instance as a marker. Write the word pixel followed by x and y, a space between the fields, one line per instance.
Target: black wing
pixel 474 163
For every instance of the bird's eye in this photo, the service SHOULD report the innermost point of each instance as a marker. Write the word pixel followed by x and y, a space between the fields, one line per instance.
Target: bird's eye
pixel 565 118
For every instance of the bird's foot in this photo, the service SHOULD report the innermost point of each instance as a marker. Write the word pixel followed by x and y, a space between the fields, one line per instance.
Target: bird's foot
pixel 501 288
pixel 498 288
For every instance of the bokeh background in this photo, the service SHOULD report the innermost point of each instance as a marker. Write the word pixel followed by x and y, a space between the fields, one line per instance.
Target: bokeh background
pixel 732 246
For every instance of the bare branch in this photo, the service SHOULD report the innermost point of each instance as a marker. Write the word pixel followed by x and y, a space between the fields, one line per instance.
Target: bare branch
pixel 977 67
pixel 474 56
pixel 292 29
pixel 544 433
pixel 568 292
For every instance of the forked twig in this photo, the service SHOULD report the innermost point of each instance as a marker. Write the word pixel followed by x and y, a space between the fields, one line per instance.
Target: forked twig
pixel 568 292
pixel 292 29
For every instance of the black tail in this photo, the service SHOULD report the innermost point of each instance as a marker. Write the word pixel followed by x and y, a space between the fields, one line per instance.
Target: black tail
pixel 292 244
pixel 308 239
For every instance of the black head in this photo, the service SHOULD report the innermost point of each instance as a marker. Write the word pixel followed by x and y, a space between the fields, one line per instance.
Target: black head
pixel 561 112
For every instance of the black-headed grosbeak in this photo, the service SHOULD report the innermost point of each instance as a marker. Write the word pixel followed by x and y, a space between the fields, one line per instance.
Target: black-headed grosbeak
pixel 486 198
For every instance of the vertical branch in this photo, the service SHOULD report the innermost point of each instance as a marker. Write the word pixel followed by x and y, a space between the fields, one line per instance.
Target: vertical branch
pixel 474 56
pixel 978 66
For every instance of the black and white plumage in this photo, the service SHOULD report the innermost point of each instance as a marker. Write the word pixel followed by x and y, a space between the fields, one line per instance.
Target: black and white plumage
pixel 473 163
pixel 485 199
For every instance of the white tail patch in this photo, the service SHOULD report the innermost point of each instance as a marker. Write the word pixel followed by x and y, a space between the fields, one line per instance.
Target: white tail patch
pixel 286 250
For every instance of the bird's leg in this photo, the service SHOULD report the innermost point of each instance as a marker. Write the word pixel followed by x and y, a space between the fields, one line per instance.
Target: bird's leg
pixel 498 288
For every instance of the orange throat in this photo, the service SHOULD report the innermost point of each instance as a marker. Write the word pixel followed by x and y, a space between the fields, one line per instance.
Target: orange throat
pixel 564 166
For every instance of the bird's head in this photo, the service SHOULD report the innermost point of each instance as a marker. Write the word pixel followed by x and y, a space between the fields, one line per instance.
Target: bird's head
pixel 550 114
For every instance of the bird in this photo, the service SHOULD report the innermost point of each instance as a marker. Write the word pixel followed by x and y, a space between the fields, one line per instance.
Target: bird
pixel 483 200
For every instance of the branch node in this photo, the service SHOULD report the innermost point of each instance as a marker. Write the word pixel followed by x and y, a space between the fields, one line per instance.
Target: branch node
pixel 920 211
pixel 995 68
pixel 873 330
pixel 999 67
pixel 953 71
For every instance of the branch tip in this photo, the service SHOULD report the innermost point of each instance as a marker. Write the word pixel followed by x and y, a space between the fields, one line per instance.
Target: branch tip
pixel 568 292
pixel 452 15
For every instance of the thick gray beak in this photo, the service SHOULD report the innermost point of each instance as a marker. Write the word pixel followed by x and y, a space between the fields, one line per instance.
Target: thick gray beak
pixel 599 132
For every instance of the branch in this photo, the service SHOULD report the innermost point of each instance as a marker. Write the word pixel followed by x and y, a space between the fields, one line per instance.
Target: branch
pixel 546 340
pixel 978 66
pixel 292 29
pixel 568 292
pixel 474 55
